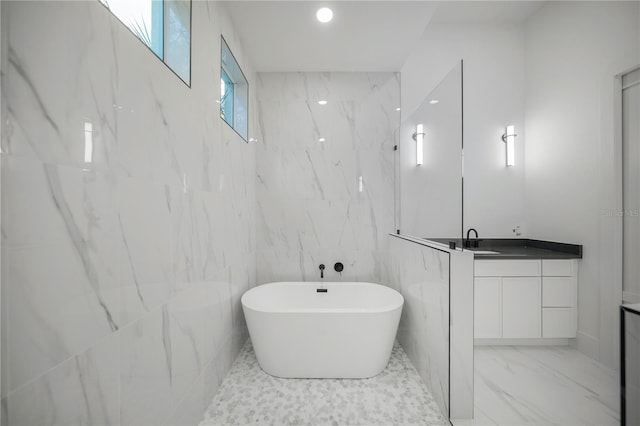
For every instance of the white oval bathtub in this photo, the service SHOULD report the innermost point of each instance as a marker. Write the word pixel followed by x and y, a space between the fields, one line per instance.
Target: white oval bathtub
pixel 347 332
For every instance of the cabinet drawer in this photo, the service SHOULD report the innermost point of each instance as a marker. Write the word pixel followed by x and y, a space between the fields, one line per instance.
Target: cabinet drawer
pixel 558 323
pixel 507 268
pixel 557 268
pixel 558 292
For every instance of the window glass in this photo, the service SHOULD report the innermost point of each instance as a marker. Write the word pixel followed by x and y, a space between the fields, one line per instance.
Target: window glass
pixel 177 18
pixel 163 25
pixel 234 93
pixel 226 97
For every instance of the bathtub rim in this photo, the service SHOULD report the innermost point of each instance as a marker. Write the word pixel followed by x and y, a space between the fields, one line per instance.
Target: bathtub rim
pixel 386 308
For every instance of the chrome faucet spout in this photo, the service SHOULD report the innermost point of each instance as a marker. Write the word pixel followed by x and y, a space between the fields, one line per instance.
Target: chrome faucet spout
pixel 321 270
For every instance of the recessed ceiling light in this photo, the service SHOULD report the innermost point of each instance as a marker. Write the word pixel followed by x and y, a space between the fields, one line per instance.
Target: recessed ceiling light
pixel 324 15
pixel 322 102
pixel 321 140
pixel 433 101
pixel 398 109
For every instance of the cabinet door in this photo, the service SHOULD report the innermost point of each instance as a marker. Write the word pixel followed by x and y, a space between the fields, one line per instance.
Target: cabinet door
pixel 558 322
pixel 521 308
pixel 558 292
pixel 487 313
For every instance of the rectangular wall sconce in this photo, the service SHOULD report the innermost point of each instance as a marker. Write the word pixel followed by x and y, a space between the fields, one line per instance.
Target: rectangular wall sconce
pixel 418 136
pixel 88 142
pixel 509 138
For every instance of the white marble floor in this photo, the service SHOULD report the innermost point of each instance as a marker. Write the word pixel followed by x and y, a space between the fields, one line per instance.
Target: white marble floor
pixel 549 385
pixel 397 396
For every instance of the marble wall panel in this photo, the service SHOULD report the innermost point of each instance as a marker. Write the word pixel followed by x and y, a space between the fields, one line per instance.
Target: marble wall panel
pixel 422 275
pixel 330 200
pixel 122 273
pixel 82 390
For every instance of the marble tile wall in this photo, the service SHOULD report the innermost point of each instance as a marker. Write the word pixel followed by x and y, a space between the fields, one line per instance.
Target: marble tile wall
pixel 422 275
pixel 309 206
pixel 121 277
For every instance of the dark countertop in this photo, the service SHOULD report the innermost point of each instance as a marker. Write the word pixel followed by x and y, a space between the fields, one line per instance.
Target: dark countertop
pixel 509 248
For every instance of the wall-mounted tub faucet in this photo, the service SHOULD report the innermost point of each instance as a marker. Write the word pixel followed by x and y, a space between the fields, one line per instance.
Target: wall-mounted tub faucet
pixel 338 267
pixel 321 270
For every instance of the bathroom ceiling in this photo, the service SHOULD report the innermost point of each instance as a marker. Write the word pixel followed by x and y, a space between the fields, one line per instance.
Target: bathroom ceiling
pixel 496 12
pixel 363 36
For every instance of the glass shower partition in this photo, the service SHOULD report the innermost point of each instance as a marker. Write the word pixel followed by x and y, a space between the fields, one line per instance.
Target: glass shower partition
pixel 437 282
pixel 429 191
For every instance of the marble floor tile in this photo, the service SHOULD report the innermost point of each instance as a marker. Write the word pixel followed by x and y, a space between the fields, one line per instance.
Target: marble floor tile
pixel 397 396
pixel 542 385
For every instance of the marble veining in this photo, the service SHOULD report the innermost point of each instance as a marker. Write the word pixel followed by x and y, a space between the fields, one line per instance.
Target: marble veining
pixel 83 390
pixel 310 206
pixel 397 396
pixel 79 243
pixel 542 385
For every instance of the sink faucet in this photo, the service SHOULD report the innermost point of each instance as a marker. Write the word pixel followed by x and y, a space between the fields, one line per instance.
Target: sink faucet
pixel 468 242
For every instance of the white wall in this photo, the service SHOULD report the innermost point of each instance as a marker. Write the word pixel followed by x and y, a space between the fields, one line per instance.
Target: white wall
pixel 493 98
pixel 121 277
pixel 631 187
pixel 573 52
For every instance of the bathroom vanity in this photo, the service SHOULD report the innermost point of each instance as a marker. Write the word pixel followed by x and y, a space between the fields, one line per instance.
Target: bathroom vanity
pixel 525 299
pixel 525 289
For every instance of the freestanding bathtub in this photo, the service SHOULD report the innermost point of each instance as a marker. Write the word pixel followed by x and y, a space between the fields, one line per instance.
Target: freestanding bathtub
pixel 346 332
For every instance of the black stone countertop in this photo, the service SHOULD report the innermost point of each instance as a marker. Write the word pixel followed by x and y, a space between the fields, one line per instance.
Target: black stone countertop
pixel 508 248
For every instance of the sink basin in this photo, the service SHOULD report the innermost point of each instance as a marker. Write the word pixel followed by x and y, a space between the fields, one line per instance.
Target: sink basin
pixel 485 252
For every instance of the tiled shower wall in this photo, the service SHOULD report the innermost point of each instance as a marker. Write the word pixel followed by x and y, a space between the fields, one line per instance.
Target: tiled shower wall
pixel 121 276
pixel 311 207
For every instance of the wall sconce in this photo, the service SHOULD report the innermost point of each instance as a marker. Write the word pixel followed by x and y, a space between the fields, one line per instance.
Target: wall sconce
pixel 418 136
pixel 509 138
pixel 88 142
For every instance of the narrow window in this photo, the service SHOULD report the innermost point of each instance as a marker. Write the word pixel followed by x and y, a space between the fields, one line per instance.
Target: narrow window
pixel 163 25
pixel 234 93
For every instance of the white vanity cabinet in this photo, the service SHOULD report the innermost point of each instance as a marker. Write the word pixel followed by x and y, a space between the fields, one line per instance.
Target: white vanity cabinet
pixel 524 299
